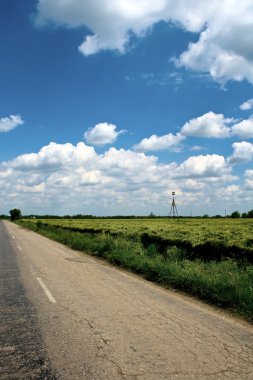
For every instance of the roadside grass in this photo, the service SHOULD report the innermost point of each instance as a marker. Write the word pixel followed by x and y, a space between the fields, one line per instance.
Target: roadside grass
pixel 225 283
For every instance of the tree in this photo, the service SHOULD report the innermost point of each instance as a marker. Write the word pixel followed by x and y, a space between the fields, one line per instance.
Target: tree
pixel 250 214
pixel 15 213
pixel 235 214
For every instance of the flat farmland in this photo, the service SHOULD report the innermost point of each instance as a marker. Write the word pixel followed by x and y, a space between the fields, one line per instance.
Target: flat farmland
pixel 201 237
pixel 210 258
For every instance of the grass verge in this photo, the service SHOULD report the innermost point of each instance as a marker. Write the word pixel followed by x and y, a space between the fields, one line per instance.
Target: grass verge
pixel 222 283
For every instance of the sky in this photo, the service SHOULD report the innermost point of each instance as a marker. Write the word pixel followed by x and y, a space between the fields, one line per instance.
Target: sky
pixel 106 108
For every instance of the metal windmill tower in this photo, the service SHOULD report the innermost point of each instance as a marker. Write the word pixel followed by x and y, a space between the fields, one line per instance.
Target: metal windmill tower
pixel 173 209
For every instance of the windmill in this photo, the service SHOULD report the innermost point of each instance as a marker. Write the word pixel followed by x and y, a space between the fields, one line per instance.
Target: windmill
pixel 173 209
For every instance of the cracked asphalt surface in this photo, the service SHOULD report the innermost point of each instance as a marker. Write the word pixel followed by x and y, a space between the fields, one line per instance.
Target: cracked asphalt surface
pixel 106 323
pixel 22 355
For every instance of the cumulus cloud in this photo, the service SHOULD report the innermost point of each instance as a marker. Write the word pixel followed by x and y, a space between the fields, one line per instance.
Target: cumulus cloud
pixel 109 22
pixel 77 179
pixel 211 125
pixel 244 129
pixel 243 153
pixel 102 134
pixel 248 105
pixel 224 47
pixel 208 125
pixel 204 166
pixel 156 143
pixel 66 179
pixel 9 123
pixel 53 157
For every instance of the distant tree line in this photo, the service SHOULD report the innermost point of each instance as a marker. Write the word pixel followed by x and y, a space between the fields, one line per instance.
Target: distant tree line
pixel 16 214
pixel 248 214
pixel 234 214
pixel 3 216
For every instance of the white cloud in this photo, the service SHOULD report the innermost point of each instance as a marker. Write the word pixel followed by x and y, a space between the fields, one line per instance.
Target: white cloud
pixel 53 157
pixel 224 48
pixel 249 173
pixel 248 105
pixel 232 189
pixel 203 166
pixel 156 143
pixel 244 129
pixel 209 125
pixel 109 22
pixel 9 123
pixel 248 183
pixel 243 153
pixel 67 179
pixel 5 173
pixel 102 134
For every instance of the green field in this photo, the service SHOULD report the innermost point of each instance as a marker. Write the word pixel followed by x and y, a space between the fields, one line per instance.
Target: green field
pixel 207 238
pixel 208 258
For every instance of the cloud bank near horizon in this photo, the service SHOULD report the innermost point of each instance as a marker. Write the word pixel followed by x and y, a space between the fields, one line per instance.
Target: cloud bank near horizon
pixel 66 177
pixel 74 178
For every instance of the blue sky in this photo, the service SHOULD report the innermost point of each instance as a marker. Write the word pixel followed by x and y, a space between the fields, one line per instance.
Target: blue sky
pixel 107 109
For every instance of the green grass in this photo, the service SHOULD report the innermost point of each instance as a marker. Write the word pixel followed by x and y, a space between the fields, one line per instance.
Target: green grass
pixel 224 283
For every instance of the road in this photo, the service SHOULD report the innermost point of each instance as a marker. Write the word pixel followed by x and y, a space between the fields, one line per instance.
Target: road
pixel 66 315
pixel 22 354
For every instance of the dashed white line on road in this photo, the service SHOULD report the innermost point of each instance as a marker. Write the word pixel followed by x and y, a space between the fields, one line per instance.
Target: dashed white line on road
pixel 47 292
pixel 13 237
pixel 19 248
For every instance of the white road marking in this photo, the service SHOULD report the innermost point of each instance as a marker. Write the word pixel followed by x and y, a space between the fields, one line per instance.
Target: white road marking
pixel 19 248
pixel 47 292
pixel 13 237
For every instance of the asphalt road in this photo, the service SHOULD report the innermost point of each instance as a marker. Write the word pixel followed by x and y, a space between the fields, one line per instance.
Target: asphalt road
pixel 22 354
pixel 69 316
